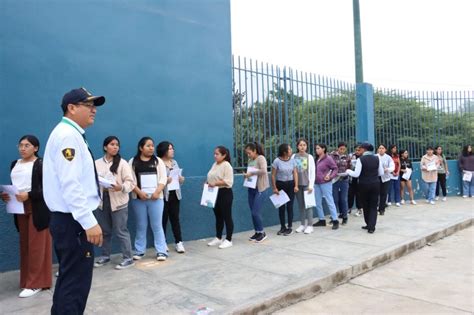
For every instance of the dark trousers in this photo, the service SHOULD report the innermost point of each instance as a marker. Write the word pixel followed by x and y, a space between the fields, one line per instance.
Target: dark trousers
pixel 76 261
pixel 171 211
pixel 354 195
pixel 384 187
pixel 441 182
pixel 289 188
pixel 223 212
pixel 369 195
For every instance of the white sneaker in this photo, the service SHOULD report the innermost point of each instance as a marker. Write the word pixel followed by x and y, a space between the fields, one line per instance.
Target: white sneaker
pixel 398 204
pixel 402 202
pixel 225 244
pixel 413 202
pixel 389 204
pixel 300 229
pixel 358 213
pixel 427 201
pixel 180 248
pixel 215 242
pixel 432 202
pixel 29 292
pixel 437 198
pixel 309 229
pixel 444 199
pixel 464 196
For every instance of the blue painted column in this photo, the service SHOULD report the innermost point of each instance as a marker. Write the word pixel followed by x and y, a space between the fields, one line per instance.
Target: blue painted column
pixel 365 126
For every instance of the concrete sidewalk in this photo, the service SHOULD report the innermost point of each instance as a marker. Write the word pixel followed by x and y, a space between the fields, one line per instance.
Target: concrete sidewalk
pixel 250 278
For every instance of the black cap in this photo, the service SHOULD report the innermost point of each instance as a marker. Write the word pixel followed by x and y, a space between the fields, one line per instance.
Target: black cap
pixel 81 95
pixel 367 146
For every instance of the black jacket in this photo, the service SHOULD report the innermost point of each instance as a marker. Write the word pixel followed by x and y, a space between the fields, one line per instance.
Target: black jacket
pixel 40 209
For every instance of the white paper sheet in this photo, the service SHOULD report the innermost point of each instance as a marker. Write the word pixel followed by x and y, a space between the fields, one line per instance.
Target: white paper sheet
pixel 280 199
pixel 148 183
pixel 467 176
pixel 309 199
pixel 174 174
pixel 13 206
pixel 407 174
pixel 209 196
pixel 251 182
pixel 105 183
pixel 431 167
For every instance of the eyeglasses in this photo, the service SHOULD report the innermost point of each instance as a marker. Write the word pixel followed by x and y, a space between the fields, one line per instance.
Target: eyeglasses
pixel 88 105
pixel 24 146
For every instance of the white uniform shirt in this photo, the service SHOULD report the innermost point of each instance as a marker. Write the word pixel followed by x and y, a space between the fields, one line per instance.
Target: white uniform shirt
pixel 69 184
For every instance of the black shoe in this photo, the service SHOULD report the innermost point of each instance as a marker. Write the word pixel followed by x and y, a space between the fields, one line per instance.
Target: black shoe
pixel 253 237
pixel 335 224
pixel 288 231
pixel 320 223
pixel 371 231
pixel 344 221
pixel 365 227
pixel 282 230
pixel 261 237
pixel 340 216
pixel 382 212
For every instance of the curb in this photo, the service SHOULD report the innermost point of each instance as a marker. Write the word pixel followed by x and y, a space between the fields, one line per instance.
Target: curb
pixel 321 285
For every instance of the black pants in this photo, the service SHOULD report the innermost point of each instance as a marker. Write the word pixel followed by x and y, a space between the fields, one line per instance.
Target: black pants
pixel 369 196
pixel 171 211
pixel 384 187
pixel 76 261
pixel 289 188
pixel 354 195
pixel 441 182
pixel 223 212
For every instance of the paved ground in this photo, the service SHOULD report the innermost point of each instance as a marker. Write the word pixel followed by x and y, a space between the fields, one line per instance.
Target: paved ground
pixel 437 279
pixel 257 277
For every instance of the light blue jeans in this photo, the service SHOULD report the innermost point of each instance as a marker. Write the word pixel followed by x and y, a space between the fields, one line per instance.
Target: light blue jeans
pixel 152 209
pixel 325 191
pixel 468 187
pixel 430 191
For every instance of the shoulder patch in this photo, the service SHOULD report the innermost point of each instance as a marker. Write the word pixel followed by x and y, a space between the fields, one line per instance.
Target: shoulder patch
pixel 69 154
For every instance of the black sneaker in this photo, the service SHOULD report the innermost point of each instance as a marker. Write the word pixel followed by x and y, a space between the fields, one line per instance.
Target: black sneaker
pixel 101 262
pixel 344 221
pixel 261 237
pixel 381 212
pixel 340 216
pixel 335 224
pixel 282 230
pixel 138 256
pixel 288 231
pixel 320 223
pixel 253 237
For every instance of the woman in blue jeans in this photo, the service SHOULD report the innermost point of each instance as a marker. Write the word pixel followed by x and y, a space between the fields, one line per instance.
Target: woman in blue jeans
pixel 326 170
pixel 257 166
pixel 149 173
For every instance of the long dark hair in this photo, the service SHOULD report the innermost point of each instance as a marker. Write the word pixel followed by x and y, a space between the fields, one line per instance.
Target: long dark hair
pixel 162 148
pixel 390 150
pixel 255 146
pixel 117 157
pixel 224 151
pixel 140 145
pixel 33 140
pixel 464 150
pixel 322 146
pixel 401 155
pixel 283 149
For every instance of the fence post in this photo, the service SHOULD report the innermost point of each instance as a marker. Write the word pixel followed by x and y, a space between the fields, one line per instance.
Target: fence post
pixel 365 115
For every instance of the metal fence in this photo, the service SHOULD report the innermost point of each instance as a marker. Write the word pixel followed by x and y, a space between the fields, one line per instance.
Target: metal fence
pixel 274 105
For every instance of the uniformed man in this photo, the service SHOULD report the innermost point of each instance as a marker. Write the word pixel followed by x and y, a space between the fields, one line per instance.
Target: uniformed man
pixel 70 190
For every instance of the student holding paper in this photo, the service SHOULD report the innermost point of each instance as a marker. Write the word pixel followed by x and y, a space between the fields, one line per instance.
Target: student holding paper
pixel 340 187
pixel 112 214
pixel 33 226
pixel 285 177
pixel 466 164
pixel 443 172
pixel 429 173
pixel 165 151
pixel 406 170
pixel 306 176
pixel 149 174
pixel 258 166
pixel 221 175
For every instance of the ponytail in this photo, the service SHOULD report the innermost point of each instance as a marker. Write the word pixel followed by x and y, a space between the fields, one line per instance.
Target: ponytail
pixel 255 146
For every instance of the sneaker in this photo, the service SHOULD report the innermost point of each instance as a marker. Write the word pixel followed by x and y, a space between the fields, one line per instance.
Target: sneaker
pixel 215 242
pixel 464 196
pixel 381 212
pixel 179 247
pixel 340 216
pixel 432 202
pixel 161 257
pixel 427 201
pixel 413 202
pixel 282 230
pixel 398 204
pixel 437 198
pixel 309 229
pixel 288 231
pixel 300 229
pixel 358 213
pixel 126 263
pixel 167 249
pixel 225 244
pixel 101 262
pixel 335 224
pixel 253 237
pixel 56 274
pixel 25 293
pixel 138 256
pixel 344 221
pixel 444 199
pixel 389 204
pixel 402 201
pixel 261 237
pixel 320 223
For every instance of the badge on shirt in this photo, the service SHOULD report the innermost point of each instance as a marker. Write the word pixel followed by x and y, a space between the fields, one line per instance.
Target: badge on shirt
pixel 69 154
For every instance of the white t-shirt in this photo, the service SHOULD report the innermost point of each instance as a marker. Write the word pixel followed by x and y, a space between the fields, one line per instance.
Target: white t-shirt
pixel 21 175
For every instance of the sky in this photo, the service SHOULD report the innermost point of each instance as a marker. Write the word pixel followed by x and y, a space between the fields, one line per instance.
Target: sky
pixel 406 44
